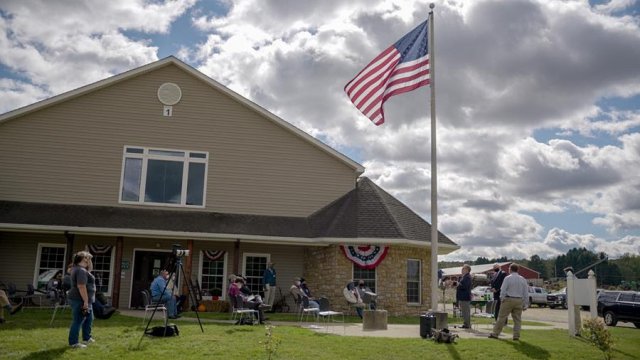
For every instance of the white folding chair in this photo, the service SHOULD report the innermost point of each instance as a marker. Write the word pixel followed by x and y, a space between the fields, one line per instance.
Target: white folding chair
pixel 305 310
pixel 61 303
pixel 238 311
pixel 151 306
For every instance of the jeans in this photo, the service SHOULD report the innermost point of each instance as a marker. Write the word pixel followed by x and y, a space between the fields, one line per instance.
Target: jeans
pixel 79 321
pixel 170 302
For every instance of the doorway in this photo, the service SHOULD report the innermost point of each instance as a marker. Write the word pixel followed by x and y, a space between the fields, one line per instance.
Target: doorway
pixel 147 266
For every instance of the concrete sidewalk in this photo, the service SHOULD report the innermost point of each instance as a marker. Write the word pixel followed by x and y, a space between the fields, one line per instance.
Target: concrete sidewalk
pixel 478 331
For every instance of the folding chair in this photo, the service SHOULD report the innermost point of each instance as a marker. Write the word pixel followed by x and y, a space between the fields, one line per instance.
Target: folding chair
pixel 238 310
pixel 150 306
pixel 61 304
pixel 329 316
pixel 281 304
pixel 305 310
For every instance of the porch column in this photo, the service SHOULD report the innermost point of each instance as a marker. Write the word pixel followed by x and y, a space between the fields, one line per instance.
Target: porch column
pixel 70 239
pixel 117 273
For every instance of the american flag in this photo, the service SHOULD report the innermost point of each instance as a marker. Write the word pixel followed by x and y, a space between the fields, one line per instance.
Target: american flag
pixel 403 67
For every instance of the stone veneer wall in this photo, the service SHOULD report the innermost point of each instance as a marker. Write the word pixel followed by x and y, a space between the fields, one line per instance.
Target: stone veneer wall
pixel 327 272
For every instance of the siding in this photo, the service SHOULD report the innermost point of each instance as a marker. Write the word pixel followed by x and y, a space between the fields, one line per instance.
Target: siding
pixel 72 152
pixel 18 255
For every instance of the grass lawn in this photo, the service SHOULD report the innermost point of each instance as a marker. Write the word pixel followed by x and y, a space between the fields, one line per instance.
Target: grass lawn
pixel 28 335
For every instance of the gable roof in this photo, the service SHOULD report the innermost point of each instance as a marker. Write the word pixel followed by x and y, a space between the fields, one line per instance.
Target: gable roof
pixel 366 215
pixel 370 214
pixel 171 60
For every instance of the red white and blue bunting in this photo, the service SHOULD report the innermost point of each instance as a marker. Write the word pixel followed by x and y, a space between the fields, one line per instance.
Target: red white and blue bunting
pixel 365 256
pixel 213 255
pixel 99 249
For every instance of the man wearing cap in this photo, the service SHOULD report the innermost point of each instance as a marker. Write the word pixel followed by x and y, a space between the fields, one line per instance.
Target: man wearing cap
pixel 299 289
pixel 269 282
pixel 496 284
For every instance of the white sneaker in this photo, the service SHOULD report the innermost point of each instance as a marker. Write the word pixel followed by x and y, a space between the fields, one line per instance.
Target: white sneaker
pixel 78 346
pixel 90 341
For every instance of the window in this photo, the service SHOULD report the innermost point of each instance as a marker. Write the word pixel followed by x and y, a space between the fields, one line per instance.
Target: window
pixel 170 177
pixel 254 266
pixel 368 275
pixel 102 270
pixel 50 257
pixel 413 281
pixel 627 297
pixel 213 275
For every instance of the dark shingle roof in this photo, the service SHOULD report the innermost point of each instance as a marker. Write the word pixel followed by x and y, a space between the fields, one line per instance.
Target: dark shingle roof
pixel 370 212
pixel 365 212
pixel 150 219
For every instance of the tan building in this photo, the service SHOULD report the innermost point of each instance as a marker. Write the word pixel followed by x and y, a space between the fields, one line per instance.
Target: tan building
pixel 162 155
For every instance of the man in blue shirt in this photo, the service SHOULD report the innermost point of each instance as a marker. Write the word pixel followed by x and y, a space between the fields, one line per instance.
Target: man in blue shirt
pixel 269 282
pixel 157 286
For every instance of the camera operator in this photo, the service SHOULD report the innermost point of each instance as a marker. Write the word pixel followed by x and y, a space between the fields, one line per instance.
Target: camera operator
pixel 159 285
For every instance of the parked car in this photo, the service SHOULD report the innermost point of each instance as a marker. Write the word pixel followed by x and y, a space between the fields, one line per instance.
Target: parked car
pixel 538 296
pixel 616 306
pixel 557 299
pixel 44 278
pixel 481 293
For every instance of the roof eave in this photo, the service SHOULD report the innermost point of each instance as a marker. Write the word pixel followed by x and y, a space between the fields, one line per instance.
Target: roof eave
pixel 443 249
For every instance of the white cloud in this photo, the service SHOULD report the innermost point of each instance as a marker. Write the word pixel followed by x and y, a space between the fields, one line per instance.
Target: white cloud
pixel 504 70
pixel 60 46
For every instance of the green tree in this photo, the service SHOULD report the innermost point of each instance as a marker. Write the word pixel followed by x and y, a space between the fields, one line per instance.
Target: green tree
pixel 537 264
pixel 629 266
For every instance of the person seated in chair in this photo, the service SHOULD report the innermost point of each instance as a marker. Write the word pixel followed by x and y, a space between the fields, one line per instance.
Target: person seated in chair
pixel 247 301
pixel 353 298
pixel 367 296
pixel 54 288
pixel 5 304
pixel 159 285
pixel 300 289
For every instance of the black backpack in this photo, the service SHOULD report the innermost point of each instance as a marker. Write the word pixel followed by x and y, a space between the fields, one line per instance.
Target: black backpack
pixel 163 331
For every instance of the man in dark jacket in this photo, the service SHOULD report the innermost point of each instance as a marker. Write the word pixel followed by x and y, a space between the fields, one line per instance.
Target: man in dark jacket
pixel 496 284
pixel 463 296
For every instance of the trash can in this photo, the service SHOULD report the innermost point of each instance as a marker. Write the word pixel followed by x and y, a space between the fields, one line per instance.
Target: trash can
pixel 427 325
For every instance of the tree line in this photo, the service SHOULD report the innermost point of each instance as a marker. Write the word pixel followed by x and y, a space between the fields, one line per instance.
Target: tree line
pixel 623 272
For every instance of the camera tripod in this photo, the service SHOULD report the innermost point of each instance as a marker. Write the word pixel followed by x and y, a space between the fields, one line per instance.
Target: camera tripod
pixel 175 271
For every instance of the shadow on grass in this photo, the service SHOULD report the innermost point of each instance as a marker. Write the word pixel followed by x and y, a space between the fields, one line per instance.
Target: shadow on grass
pixel 529 350
pixel 238 329
pixel 47 354
pixel 451 348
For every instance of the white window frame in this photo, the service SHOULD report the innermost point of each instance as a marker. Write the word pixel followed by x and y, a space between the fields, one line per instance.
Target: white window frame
pixel 244 261
pixel 353 276
pixel 419 281
pixel 225 281
pixel 36 270
pixel 111 269
pixel 145 156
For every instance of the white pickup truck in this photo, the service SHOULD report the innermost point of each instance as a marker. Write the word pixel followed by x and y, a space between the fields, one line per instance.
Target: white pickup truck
pixel 538 296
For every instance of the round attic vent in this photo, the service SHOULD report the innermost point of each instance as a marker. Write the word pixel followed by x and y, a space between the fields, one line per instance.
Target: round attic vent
pixel 169 93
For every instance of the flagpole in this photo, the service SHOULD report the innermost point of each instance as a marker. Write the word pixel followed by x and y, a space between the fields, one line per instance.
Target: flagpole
pixel 434 168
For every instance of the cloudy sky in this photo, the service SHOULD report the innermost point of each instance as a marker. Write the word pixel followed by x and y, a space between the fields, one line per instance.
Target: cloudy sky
pixel 538 102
